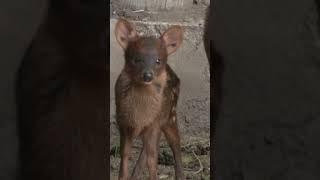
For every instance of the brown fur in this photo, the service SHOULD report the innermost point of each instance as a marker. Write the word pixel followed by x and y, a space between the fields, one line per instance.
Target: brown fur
pixel 146 110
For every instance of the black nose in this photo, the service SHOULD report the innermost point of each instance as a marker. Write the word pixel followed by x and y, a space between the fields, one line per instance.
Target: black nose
pixel 147 77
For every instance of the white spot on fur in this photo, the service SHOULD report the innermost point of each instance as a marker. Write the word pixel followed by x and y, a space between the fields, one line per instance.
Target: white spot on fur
pixel 173 109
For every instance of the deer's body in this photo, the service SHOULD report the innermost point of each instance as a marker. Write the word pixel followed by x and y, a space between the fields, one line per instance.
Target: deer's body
pixel 139 107
pixel 147 91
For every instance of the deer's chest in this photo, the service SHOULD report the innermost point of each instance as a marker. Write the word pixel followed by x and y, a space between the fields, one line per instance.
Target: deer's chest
pixel 140 108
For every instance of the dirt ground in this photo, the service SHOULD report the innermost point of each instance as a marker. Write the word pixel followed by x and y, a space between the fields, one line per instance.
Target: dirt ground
pixel 193 108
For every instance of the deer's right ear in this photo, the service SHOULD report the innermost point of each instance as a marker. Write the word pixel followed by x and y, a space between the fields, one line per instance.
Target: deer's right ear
pixel 125 32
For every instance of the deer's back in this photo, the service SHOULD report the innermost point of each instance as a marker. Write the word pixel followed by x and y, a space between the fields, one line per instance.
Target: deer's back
pixel 171 95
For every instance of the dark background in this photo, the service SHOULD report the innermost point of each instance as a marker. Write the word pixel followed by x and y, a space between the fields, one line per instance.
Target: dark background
pixel 266 57
pixel 53 90
pixel 19 21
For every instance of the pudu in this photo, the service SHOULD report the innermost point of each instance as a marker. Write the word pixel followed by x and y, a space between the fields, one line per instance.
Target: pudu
pixel 146 94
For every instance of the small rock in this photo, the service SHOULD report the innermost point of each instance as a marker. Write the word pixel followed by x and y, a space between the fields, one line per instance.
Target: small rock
pixel 163 176
pixel 195 2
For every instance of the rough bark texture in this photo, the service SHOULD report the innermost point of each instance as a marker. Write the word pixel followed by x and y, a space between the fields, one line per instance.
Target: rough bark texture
pixel 269 117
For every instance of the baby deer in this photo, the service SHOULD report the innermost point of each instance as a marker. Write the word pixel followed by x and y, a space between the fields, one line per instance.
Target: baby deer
pixel 146 92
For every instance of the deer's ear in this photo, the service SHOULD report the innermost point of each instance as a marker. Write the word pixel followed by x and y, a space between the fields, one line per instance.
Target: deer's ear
pixel 172 39
pixel 125 32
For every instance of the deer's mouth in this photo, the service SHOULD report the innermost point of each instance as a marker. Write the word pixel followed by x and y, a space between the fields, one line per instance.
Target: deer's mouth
pixel 147 83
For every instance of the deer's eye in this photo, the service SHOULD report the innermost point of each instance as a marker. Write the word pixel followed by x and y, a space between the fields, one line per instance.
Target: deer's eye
pixel 158 61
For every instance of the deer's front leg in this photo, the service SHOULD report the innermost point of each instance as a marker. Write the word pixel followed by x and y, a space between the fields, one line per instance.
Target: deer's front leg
pixel 125 147
pixel 151 145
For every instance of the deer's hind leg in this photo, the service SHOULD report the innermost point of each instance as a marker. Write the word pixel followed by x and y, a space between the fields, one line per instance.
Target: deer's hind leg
pixel 171 133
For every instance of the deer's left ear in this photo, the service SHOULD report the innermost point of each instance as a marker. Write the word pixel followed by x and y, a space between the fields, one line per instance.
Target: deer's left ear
pixel 172 39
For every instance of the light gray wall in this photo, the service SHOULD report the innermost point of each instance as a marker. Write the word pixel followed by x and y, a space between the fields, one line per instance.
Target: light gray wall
pixel 189 63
